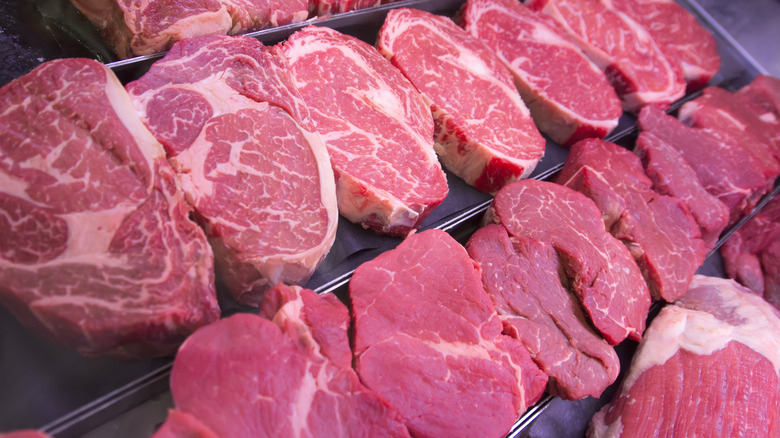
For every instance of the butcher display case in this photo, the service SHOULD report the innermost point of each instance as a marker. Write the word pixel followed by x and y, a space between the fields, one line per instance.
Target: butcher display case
pixel 51 388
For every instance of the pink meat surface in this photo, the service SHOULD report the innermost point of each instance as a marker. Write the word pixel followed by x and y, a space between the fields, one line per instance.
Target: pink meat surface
pixel 324 8
pixel 180 424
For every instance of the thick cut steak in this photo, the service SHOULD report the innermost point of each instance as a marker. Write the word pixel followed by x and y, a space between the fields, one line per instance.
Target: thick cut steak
pixel 378 130
pixel 601 270
pixel 569 97
pixel 708 366
pixel 98 250
pixel 428 339
pixel 328 7
pixel 673 176
pixel 484 132
pixel 764 92
pixel 679 36
pixel 524 280
pixel 658 230
pixel 183 425
pixel 142 27
pixel 241 140
pixel 622 48
pixel 246 376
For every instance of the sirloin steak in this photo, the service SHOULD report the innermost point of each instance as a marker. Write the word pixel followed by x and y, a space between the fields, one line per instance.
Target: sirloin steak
pixel 241 140
pixel 428 339
pixel 601 270
pixel 484 132
pixel 524 280
pixel 98 250
pixel 708 366
pixel 568 96
pixel 246 376
pixel 376 126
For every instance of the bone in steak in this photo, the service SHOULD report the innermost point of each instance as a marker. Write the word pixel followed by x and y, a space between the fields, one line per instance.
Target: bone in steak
pixel 569 97
pixel 484 132
pixel 428 339
pixel 98 249
pixel 240 138
pixel 679 36
pixel 658 230
pixel 180 424
pixel 708 366
pixel 134 27
pixel 246 376
pixel 377 128
pixel 622 48
pixel 601 270
pixel 524 280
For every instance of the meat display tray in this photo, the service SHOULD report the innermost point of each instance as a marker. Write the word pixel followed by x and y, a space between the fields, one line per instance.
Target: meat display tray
pixel 48 387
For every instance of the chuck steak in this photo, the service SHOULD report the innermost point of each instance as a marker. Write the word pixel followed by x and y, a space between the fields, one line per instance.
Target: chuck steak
pixel 622 48
pixel 708 366
pixel 569 97
pixel 484 132
pixel 376 126
pixel 524 280
pixel 241 140
pixel 601 270
pixel 245 376
pixel 428 339
pixel 98 249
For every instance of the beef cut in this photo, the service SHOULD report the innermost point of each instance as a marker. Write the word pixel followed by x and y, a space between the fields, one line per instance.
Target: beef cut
pixel 526 283
pixel 673 176
pixel 600 269
pixel 751 254
pixel 679 36
pixel 725 170
pixel 183 425
pixel 568 96
pixel 245 376
pixel 324 8
pixel 658 230
pixel 24 434
pixel 483 130
pixel 428 339
pixel 708 366
pixel 635 65
pixel 98 250
pixel 764 92
pixel 134 27
pixel 376 126
pixel 241 140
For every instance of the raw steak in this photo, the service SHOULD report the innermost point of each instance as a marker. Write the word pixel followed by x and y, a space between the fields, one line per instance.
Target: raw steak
pixel 708 366
pixel 328 7
pixel 764 92
pixel 245 376
pixel 523 278
pixel 377 128
pixel 240 138
pixel 98 249
pixel 569 97
pixel 750 255
pixel 673 176
pixel 725 170
pixel 680 37
pixel 428 339
pixel 658 230
pixel 484 132
pixel 622 48
pixel 142 27
pixel 183 425
pixel 601 270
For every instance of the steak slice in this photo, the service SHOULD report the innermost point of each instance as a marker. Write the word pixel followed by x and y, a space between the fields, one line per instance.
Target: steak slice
pixel 622 48
pixel 764 92
pixel 183 425
pixel 428 339
pixel 680 37
pixel 483 130
pixel 658 230
pixel 241 140
pixel 601 270
pixel 673 176
pixel 569 97
pixel 98 251
pixel 377 128
pixel 708 366
pixel 524 280
pixel 245 376
pixel 324 8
